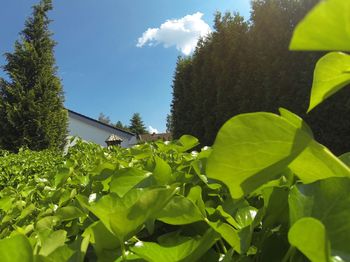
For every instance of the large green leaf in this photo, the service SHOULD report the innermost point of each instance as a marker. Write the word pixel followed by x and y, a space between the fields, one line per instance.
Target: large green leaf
pixel 332 72
pixel 180 211
pixel 325 27
pixel 124 216
pixel 103 241
pixel 187 142
pixel 69 213
pixel 126 179
pixel 327 200
pixel 16 249
pixel 251 149
pixel 177 248
pixel 162 172
pixel 52 241
pixel 309 236
pixel 317 162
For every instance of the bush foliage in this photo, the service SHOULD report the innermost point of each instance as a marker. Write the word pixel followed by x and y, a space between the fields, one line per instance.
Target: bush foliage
pixel 266 191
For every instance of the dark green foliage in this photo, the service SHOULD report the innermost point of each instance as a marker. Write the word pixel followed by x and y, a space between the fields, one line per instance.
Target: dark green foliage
pixel 31 106
pixel 181 105
pixel 245 67
pixel 119 124
pixel 136 124
pixel 169 123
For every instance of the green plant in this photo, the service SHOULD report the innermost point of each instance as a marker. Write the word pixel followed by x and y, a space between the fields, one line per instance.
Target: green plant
pixel 266 191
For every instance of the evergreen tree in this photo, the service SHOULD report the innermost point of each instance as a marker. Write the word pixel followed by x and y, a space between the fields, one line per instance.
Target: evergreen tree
pixel 169 123
pixel 31 102
pixel 104 119
pixel 119 124
pixel 136 124
pixel 246 67
pixel 182 99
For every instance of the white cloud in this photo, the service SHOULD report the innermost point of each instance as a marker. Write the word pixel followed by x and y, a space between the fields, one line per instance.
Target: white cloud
pixel 182 33
pixel 152 130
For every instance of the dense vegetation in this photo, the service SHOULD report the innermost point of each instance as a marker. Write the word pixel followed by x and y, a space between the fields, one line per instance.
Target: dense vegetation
pixel 246 67
pixel 31 100
pixel 266 191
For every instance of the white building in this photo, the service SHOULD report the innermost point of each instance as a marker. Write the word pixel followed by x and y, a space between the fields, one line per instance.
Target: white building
pixel 95 131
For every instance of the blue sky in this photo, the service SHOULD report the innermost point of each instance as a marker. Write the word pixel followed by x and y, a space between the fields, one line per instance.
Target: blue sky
pixel 101 67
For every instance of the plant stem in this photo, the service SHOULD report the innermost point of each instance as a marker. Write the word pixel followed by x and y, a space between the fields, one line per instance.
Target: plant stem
pixel 122 245
pixel 289 253
pixel 222 244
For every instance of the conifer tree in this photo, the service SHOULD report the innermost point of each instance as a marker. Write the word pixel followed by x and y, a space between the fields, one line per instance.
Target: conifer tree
pixel 104 119
pixel 169 123
pixel 119 124
pixel 31 101
pixel 136 124
pixel 245 66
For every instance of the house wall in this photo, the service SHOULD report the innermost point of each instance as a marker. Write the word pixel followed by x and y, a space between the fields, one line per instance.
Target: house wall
pixel 92 132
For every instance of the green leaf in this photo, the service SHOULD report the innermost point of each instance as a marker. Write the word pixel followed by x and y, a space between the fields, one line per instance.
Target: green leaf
pixel 331 74
pixel 16 249
pixel 251 149
pixel 327 200
pixel 179 248
pixel 228 233
pixel 26 212
pixel 46 223
pixel 62 176
pixel 101 239
pixel 325 27
pixel 345 158
pixel 195 195
pixel 309 236
pixel 62 253
pixel 52 241
pixel 187 142
pixel 295 120
pixel 69 213
pixel 245 216
pixel 125 179
pixel 124 216
pixel 162 172
pixel 317 162
pixel 6 203
pixel 111 208
pixel 180 211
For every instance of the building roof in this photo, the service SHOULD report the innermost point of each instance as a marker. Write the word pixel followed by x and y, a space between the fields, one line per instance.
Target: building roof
pixel 155 137
pixel 100 123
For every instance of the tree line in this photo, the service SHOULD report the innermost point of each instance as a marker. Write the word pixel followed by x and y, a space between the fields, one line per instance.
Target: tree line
pixel 136 125
pixel 245 66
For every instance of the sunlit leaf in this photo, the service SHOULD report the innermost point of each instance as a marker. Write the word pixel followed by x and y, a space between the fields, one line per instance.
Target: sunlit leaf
pixel 16 249
pixel 325 27
pixel 251 149
pixel 309 236
pixel 332 72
